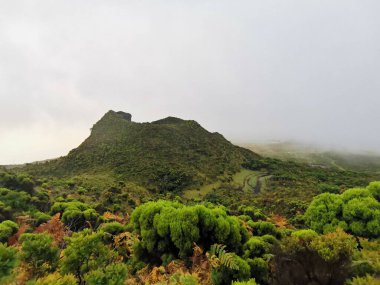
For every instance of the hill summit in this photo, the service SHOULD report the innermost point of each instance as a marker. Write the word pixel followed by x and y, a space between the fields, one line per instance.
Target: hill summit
pixel 168 154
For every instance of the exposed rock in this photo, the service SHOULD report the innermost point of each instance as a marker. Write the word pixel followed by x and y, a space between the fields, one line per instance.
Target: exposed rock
pixel 125 116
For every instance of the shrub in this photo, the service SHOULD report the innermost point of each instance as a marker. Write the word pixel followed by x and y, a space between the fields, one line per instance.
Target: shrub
pixel 366 280
pixel 8 260
pixel 256 247
pixel 225 275
pixel 39 252
pixel 374 189
pixel 355 211
pixel 113 274
pixel 172 228
pixel 56 279
pixel 85 252
pixel 249 282
pixel 7 229
pixel 113 228
pixel 306 258
pixel 264 228
pixel 76 215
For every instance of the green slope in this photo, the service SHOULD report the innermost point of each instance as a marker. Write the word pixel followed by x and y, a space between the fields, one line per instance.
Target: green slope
pixel 169 154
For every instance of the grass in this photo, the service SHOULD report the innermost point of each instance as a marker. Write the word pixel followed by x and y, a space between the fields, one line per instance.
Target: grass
pixel 201 192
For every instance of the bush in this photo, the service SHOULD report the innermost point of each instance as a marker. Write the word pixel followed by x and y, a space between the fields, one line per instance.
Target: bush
pixel 253 212
pixel 256 247
pixel 113 274
pixel 306 258
pixel 224 275
pixel 39 252
pixel 76 215
pixel 259 269
pixel 113 228
pixel 56 279
pixel 328 188
pixel 7 229
pixel 264 228
pixel 172 228
pixel 249 282
pixel 8 260
pixel 355 211
pixel 85 252
pixel 374 189
pixel 367 280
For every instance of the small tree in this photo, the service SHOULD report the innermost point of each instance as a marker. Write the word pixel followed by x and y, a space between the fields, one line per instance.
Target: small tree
pixel 113 274
pixel 85 252
pixel 308 258
pixel 7 229
pixel 8 260
pixel 39 252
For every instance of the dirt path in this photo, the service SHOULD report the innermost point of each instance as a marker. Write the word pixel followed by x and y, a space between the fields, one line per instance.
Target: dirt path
pixel 255 182
pixel 260 181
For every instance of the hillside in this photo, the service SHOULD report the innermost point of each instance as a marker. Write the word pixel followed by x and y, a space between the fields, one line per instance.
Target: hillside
pixel 168 154
pixel 313 155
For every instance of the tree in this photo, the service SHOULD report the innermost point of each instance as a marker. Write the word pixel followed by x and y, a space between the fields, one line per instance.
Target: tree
pixel 8 259
pixel 170 228
pixel 113 274
pixel 76 215
pixel 7 229
pixel 306 258
pixel 56 279
pixel 39 252
pixel 374 189
pixel 85 252
pixel 324 211
pixel 355 211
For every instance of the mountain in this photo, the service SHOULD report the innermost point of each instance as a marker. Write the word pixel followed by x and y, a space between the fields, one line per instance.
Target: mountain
pixel 168 154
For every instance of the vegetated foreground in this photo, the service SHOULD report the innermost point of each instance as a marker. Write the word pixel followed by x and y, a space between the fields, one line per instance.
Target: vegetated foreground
pixel 170 203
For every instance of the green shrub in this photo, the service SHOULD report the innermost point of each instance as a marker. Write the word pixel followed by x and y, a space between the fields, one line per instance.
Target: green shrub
pixel 172 228
pixel 39 252
pixel 249 282
pixel 113 274
pixel 366 280
pixel 55 279
pixel 328 256
pixel 259 269
pixel 355 211
pixel 183 279
pixel 85 252
pixel 113 228
pixel 7 229
pixel 264 228
pixel 76 215
pixel 256 247
pixel 253 212
pixel 224 275
pixel 374 189
pixel 8 260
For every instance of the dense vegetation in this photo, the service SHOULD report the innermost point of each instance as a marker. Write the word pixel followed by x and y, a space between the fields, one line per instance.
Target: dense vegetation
pixel 169 203
pixel 45 239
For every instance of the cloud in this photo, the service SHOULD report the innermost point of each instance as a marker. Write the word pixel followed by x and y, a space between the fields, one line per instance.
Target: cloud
pixel 252 70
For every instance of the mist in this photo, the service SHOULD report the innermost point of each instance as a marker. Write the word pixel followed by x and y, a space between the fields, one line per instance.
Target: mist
pixel 254 71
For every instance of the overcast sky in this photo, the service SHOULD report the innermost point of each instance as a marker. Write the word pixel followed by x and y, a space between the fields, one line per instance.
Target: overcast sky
pixel 251 70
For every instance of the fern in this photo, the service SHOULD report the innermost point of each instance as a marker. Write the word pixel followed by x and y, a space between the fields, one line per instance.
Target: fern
pixel 220 257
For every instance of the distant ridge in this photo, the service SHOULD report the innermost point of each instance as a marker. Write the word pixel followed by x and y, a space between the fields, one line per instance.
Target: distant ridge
pixel 165 155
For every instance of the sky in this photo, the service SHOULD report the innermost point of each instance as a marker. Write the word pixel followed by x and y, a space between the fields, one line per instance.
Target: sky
pixel 252 70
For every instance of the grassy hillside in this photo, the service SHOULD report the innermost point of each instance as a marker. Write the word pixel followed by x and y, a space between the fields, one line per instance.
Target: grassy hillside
pixel 316 156
pixel 165 155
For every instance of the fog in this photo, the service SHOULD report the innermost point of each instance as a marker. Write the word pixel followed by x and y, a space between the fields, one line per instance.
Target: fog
pixel 252 70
